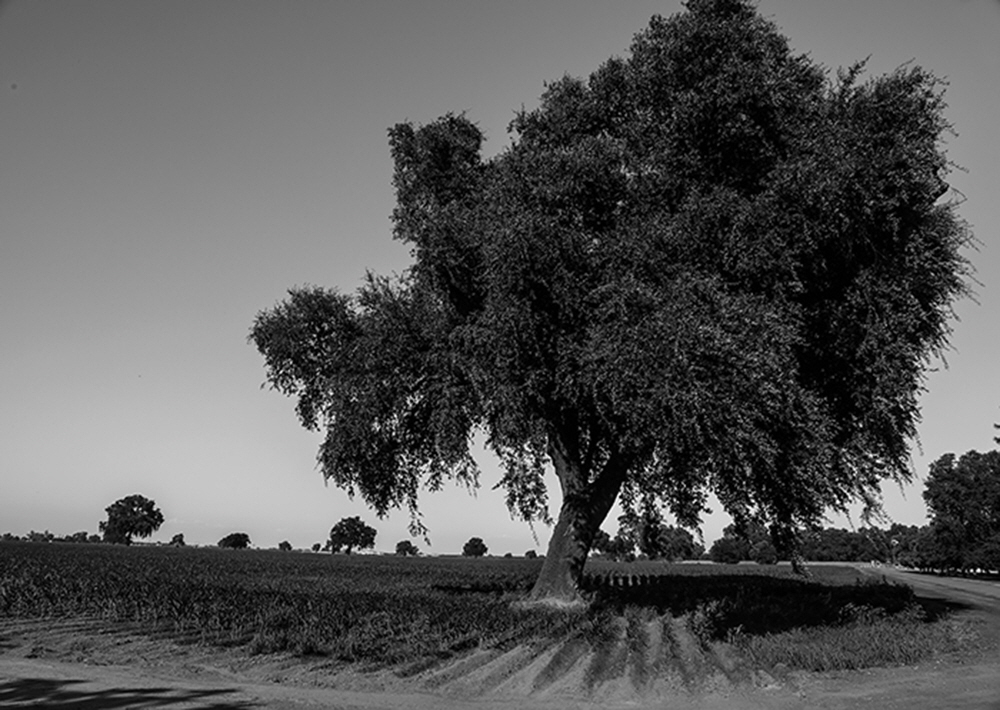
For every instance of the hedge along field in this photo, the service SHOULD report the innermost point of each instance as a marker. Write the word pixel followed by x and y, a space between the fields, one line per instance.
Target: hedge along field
pixel 392 611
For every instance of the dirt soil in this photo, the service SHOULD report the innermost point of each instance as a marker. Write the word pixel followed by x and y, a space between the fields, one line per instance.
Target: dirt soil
pixel 88 665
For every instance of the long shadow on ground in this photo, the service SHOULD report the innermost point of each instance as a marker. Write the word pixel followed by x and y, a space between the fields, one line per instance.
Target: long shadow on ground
pixel 765 604
pixel 64 695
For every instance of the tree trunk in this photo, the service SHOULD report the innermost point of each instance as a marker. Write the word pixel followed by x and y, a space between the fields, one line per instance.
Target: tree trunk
pixel 564 560
pixel 584 507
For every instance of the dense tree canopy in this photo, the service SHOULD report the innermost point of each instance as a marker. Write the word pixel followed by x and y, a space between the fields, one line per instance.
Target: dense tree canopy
pixel 709 267
pixel 133 515
pixel 235 541
pixel 963 497
pixel 350 534
pixel 474 547
pixel 405 548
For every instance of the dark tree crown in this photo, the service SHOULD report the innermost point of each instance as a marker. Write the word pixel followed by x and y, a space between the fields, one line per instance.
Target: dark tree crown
pixel 132 516
pixel 707 267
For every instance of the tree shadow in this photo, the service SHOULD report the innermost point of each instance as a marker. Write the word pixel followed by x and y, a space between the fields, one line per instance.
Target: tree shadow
pixel 62 695
pixel 765 604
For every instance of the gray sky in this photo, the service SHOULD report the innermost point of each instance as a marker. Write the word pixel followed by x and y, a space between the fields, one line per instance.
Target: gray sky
pixel 168 169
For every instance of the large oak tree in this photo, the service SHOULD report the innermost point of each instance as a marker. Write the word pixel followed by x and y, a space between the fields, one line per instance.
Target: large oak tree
pixel 133 515
pixel 710 267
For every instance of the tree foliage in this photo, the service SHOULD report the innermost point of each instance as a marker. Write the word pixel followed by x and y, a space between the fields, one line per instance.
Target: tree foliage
pixel 235 541
pixel 620 548
pixel 654 539
pixel 862 545
pixel 132 516
pixel 350 534
pixel 963 497
pixel 729 550
pixel 405 548
pixel 709 267
pixel 475 547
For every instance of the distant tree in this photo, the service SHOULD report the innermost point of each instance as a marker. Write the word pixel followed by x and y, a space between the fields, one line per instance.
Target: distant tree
pixel 10 537
pixel 35 536
pixel 508 555
pixel 874 544
pixel 833 545
pixel 235 541
pixel 738 543
pixel 764 553
pixel 316 547
pixel 903 544
pixel 351 533
pixel 285 546
pixel 95 539
pixel 656 540
pixel 178 540
pixel 963 498
pixel 475 547
pixel 707 268
pixel 728 550
pixel 405 548
pixel 601 542
pixel 674 543
pixel 134 515
pixel 77 537
pixel 621 547
pixel 531 555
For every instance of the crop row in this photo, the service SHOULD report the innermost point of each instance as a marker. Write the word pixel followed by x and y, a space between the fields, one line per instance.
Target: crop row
pixel 371 609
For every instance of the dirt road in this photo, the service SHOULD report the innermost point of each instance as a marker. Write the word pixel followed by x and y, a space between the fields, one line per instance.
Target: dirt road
pixel 80 665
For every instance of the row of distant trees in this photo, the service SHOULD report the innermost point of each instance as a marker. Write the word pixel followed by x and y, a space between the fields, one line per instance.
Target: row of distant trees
pixel 962 495
pixel 138 516
pixel 963 498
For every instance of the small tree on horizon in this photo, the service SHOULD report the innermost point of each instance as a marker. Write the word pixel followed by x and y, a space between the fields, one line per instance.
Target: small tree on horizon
pixel 178 540
pixel 475 547
pixel 351 533
pixel 134 515
pixel 405 548
pixel 285 546
pixel 235 541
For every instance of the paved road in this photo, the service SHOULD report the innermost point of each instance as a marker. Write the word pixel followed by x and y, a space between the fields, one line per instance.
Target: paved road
pixel 983 594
